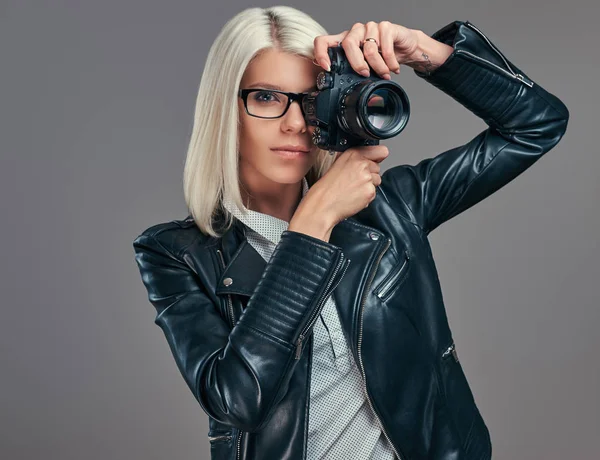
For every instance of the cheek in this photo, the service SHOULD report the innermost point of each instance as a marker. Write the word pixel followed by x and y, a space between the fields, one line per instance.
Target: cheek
pixel 254 133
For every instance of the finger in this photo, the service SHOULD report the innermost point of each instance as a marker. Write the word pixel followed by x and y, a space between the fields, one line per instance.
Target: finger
pixel 387 34
pixel 371 50
pixel 321 44
pixel 380 158
pixel 351 44
pixel 376 178
pixel 385 152
pixel 376 153
pixel 374 167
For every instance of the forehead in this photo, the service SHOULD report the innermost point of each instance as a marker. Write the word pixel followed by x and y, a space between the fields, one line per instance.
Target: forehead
pixel 288 71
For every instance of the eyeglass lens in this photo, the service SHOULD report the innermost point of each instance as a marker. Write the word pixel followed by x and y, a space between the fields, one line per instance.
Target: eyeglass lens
pixel 264 103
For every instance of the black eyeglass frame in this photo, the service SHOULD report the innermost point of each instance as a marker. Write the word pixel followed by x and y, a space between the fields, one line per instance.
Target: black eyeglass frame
pixel 243 93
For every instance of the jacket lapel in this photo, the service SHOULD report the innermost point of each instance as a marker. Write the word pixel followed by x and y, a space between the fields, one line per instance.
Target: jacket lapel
pixel 242 273
pixel 363 246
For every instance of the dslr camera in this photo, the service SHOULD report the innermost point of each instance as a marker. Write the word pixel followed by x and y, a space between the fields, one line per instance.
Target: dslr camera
pixel 351 110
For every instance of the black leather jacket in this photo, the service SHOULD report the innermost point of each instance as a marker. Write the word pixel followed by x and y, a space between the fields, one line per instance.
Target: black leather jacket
pixel 240 328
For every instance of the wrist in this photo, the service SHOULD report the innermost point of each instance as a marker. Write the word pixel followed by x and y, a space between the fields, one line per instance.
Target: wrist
pixel 310 227
pixel 312 222
pixel 429 54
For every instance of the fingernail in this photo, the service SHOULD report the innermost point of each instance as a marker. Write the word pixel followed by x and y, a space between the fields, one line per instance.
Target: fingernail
pixel 327 66
pixel 365 72
pixel 387 76
pixel 397 71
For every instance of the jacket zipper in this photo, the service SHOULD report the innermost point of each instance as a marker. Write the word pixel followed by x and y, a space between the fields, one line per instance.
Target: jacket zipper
pixel 308 386
pixel 317 311
pixel 511 74
pixel 362 369
pixel 237 447
pixel 230 303
pixel 451 350
pixel 390 283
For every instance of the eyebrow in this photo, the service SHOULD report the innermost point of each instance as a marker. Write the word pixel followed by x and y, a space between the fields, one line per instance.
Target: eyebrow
pixel 262 84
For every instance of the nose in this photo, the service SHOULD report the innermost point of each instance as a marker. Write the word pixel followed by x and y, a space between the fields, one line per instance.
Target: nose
pixel 293 120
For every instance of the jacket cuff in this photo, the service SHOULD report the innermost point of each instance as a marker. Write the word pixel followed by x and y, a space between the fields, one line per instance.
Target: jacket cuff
pixel 476 74
pixel 301 274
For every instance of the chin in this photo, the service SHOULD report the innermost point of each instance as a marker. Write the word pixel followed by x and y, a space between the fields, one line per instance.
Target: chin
pixel 287 175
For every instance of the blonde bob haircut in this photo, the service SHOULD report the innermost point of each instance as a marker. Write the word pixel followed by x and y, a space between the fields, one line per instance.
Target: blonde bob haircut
pixel 211 171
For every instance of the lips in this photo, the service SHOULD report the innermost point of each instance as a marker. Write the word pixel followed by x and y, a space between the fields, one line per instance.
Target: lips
pixel 292 148
pixel 291 153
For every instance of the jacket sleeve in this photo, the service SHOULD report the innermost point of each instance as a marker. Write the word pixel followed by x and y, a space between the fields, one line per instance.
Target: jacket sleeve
pixel 524 122
pixel 239 375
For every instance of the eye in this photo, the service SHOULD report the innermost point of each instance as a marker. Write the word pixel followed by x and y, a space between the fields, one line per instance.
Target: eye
pixel 266 96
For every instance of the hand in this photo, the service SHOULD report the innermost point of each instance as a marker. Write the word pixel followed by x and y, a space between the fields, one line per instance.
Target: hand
pixel 397 44
pixel 349 184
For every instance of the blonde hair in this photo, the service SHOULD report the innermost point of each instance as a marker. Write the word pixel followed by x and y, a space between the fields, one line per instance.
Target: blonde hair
pixel 211 166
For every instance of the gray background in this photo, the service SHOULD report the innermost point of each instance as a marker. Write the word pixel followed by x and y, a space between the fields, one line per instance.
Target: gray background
pixel 96 106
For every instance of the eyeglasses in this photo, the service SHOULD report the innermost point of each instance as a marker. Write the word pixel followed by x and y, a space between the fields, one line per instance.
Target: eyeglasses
pixel 268 103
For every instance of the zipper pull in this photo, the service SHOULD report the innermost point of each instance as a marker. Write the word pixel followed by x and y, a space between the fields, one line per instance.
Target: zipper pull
pixel 455 354
pixel 451 350
pixel 523 79
pixel 299 346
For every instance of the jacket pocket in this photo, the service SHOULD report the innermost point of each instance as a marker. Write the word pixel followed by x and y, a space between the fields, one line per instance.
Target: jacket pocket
pixel 217 438
pixel 394 279
pixel 221 444
pixel 458 397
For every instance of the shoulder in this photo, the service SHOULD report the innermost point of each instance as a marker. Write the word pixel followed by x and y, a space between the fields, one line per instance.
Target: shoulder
pixel 400 185
pixel 174 235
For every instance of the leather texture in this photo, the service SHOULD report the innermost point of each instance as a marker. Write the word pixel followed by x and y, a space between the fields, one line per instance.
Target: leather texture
pixel 240 328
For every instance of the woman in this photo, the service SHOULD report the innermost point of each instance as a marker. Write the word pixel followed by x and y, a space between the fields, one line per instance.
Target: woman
pixel 300 298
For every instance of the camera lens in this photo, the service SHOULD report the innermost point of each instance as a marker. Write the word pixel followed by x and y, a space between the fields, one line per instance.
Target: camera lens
pixel 382 109
pixel 374 109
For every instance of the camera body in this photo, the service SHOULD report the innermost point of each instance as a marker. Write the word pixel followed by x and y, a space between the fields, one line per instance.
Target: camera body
pixel 351 110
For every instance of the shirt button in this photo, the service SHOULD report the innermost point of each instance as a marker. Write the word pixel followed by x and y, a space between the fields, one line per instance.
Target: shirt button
pixel 373 235
pixel 227 281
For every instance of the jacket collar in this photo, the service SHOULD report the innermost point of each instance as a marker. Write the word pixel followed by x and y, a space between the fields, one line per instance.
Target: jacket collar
pixel 239 256
pixel 246 267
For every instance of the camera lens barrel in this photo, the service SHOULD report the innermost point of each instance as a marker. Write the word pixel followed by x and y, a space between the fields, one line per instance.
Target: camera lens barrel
pixel 374 109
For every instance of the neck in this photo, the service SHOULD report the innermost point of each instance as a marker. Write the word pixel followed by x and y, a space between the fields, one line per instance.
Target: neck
pixel 280 201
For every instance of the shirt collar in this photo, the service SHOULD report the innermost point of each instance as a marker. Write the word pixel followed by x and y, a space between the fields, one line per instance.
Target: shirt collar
pixel 267 226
